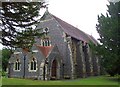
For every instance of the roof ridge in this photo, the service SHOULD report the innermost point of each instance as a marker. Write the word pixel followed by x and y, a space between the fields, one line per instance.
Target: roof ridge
pixel 68 24
pixel 47 12
pixel 70 29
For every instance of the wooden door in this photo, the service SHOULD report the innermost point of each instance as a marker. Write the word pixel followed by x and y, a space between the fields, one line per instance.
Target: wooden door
pixel 54 68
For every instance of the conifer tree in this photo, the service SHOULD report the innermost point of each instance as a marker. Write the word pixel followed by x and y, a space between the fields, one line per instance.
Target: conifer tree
pixel 108 28
pixel 17 21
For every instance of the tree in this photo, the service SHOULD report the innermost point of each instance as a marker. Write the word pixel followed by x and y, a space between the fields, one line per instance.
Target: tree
pixel 108 28
pixel 6 53
pixel 17 21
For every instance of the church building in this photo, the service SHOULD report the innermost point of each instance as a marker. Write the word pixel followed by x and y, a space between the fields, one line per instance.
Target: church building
pixel 63 52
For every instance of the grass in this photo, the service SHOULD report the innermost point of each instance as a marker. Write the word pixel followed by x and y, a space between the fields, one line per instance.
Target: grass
pixel 98 80
pixel 0 77
pixel 0 81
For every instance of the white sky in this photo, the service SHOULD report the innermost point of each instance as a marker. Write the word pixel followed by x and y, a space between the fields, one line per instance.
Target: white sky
pixel 79 13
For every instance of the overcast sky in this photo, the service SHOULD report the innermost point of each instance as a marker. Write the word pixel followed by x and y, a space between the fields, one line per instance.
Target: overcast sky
pixel 79 13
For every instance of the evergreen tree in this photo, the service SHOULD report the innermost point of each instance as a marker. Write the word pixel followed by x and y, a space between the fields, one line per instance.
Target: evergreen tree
pixel 6 53
pixel 108 28
pixel 17 20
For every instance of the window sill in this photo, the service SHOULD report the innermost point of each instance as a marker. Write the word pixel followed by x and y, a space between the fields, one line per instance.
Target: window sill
pixel 17 70
pixel 32 70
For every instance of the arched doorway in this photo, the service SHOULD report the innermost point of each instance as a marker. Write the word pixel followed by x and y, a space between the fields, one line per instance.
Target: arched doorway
pixel 55 70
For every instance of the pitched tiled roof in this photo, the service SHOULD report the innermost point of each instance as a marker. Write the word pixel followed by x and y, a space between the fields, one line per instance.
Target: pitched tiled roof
pixel 45 49
pixel 69 29
pixel 74 32
pixel 93 39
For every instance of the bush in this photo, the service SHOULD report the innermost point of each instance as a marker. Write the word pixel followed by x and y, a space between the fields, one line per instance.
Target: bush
pixel 111 72
pixel 4 74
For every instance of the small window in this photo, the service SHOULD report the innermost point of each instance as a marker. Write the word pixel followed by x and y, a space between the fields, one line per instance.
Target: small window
pixel 17 65
pixel 46 30
pixel 46 42
pixel 33 65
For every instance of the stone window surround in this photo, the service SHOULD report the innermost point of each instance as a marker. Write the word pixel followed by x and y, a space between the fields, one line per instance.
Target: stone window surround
pixel 29 65
pixel 18 65
pixel 45 42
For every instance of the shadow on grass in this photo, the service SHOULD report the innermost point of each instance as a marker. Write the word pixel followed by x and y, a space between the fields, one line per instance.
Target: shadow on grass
pixel 113 78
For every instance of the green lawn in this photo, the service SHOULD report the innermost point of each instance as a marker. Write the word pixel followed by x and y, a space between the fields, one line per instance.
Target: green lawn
pixel 0 81
pixel 98 80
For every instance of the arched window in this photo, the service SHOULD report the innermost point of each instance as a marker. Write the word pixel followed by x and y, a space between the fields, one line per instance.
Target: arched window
pixel 17 65
pixel 33 65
